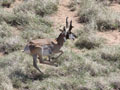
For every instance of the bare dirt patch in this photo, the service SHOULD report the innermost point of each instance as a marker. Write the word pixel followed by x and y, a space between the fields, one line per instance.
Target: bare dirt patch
pixel 116 7
pixel 112 37
pixel 63 12
pixel 1 54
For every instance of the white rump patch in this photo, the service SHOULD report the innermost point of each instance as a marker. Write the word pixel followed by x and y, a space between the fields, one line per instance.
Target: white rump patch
pixel 27 49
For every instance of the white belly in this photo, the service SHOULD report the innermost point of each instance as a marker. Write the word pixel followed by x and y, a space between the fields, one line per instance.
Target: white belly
pixel 46 50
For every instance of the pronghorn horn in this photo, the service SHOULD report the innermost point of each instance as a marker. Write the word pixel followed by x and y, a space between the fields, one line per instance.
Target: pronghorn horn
pixel 66 22
pixel 70 28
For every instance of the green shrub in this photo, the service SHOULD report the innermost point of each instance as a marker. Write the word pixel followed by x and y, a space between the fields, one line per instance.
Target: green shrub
pixel 37 28
pixel 5 30
pixel 8 41
pixel 111 54
pixel 45 7
pixel 5 82
pixel 88 39
pixel 40 7
pixel 73 5
pixel 107 56
pixel 11 44
pixel 89 42
pixel 17 69
pixel 105 18
pixel 14 19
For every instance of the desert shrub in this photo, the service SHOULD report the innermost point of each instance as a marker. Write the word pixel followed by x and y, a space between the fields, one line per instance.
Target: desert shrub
pixel 105 18
pixel 45 7
pixel 74 4
pixel 88 39
pixel 37 28
pixel 107 56
pixel 14 19
pixel 6 3
pixel 111 54
pixel 17 69
pixel 40 7
pixel 87 10
pixel 5 82
pixel 22 19
pixel 8 41
pixel 5 30
pixel 32 34
pixel 11 44
pixel 89 42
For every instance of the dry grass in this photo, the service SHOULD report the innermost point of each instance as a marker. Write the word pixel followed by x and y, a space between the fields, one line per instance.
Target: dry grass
pixel 95 67
pixel 103 16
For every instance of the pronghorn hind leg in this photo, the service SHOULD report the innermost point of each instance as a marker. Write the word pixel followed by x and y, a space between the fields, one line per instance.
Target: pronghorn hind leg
pixel 35 63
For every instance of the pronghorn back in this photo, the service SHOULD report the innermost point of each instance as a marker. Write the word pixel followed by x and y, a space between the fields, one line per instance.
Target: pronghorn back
pixel 40 46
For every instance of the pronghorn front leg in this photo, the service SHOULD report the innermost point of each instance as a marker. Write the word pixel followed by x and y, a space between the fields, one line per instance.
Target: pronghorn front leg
pixel 35 62
pixel 61 52
pixel 45 62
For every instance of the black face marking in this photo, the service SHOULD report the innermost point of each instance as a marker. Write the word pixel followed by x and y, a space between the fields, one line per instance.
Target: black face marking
pixel 70 33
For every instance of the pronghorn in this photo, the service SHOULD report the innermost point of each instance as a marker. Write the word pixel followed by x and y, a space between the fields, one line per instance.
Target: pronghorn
pixel 48 47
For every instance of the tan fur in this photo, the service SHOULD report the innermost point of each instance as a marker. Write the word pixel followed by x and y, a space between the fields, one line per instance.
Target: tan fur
pixel 41 42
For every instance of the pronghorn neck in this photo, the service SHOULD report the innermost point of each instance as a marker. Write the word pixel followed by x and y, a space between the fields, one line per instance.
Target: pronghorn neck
pixel 60 40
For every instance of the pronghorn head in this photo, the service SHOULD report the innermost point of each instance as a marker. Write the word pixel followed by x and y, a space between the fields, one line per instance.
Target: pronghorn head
pixel 63 33
pixel 67 29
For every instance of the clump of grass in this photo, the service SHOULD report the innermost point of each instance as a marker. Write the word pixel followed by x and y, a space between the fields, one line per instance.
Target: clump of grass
pixel 5 82
pixel 8 41
pixel 111 54
pixel 107 56
pixel 74 4
pixel 6 3
pixel 16 66
pixel 40 7
pixel 5 30
pixel 105 18
pixel 87 38
pixel 14 19
pixel 45 7
pixel 12 44
pixel 89 42
pixel 37 28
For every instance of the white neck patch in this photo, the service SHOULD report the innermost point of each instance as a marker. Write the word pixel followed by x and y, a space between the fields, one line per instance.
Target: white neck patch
pixel 64 38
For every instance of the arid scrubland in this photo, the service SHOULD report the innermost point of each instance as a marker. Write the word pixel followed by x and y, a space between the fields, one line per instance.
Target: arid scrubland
pixel 95 65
